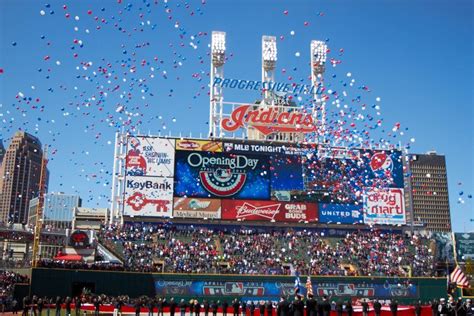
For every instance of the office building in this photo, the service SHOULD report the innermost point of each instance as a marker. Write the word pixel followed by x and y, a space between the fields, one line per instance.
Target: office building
pixel 427 192
pixel 58 211
pixel 20 177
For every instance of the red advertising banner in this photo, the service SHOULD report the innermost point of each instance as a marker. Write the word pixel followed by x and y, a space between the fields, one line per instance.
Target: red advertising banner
pixel 251 210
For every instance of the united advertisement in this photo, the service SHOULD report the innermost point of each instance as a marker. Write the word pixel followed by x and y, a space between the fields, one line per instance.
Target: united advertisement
pixel 384 206
pixel 150 156
pixel 274 290
pixel 269 211
pixel 221 175
pixel 197 208
pixel 148 196
pixel 341 213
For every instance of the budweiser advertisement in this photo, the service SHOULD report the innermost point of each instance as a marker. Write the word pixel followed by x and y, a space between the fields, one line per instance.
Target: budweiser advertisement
pixel 268 211
pixel 198 145
pixel 197 208
pixel 384 206
pixel 271 119
pixel 150 156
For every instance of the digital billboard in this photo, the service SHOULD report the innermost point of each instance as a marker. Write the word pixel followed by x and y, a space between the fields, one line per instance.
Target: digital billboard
pixel 269 210
pixel 273 290
pixel 342 185
pixel 219 175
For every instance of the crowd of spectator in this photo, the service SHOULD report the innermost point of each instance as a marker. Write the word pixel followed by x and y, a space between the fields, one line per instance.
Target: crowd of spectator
pixel 188 249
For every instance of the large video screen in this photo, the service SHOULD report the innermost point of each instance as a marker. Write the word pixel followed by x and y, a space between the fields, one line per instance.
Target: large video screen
pixel 246 180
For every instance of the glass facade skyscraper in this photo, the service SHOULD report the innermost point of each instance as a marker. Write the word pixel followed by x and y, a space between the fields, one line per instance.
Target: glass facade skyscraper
pixel 58 210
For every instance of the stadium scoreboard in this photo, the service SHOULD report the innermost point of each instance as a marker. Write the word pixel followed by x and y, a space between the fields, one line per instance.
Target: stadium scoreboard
pixel 261 181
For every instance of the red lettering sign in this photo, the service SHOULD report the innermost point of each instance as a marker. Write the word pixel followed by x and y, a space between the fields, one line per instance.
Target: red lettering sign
pixel 269 210
pixel 269 120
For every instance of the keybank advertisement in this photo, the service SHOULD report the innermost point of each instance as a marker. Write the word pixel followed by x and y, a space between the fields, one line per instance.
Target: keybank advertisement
pixel 221 175
pixel 340 213
pixel 277 289
pixel 384 206
pixel 148 196
pixel 150 156
pixel 269 210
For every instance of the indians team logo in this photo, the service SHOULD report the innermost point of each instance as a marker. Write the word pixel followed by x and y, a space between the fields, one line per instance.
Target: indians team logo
pixel 222 176
pixel 381 164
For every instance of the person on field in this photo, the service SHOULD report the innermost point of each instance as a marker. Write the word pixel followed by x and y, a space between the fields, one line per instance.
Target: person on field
pixel 235 307
pixel 225 305
pixel 311 306
pixel 214 307
pixel 349 309
pixel 182 307
pixel 365 307
pixel 172 306
pixel 394 307
pixel 58 306
pixel 377 308
pixel 138 306
pixel 261 308
pixel 252 308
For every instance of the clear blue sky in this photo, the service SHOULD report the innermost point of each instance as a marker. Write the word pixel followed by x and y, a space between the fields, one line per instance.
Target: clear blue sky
pixel 416 56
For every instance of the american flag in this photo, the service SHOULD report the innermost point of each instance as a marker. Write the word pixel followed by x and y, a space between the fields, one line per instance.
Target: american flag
pixel 459 278
pixel 309 286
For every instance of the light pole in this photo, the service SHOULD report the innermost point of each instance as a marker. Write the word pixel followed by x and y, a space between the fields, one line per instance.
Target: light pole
pixel 269 59
pixel 318 66
pixel 217 71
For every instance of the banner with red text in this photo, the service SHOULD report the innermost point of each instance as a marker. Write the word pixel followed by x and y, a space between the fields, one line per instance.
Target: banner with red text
pixel 269 210
pixel 384 206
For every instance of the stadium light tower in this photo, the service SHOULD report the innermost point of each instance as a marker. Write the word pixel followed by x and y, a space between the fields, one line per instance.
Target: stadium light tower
pixel 217 71
pixel 318 66
pixel 269 59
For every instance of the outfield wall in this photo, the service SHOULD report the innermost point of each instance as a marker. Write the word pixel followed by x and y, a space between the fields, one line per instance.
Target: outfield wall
pixel 53 282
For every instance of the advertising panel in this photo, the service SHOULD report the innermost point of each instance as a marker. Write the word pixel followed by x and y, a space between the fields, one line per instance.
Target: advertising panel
pixel 340 213
pixel 198 145
pixel 384 206
pixel 197 208
pixel 221 175
pixel 274 290
pixel 464 246
pixel 269 210
pixel 150 156
pixel 148 196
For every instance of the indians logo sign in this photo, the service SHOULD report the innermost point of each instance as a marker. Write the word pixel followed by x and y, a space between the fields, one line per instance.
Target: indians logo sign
pixel 222 176
pixel 269 120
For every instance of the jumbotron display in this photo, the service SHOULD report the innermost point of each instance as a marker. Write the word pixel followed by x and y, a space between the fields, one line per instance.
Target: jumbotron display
pixel 262 181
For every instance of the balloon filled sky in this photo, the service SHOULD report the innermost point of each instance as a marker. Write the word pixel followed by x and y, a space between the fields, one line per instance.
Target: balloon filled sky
pixel 73 73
